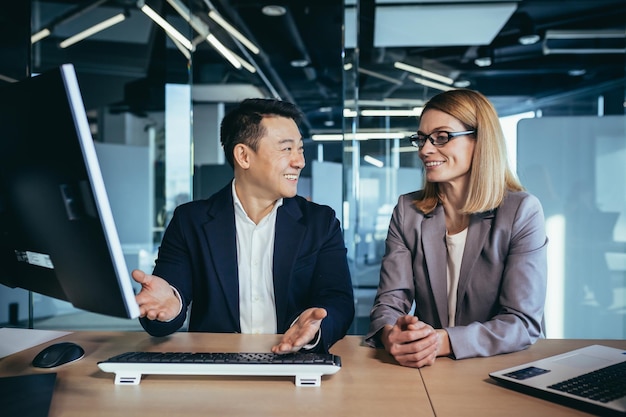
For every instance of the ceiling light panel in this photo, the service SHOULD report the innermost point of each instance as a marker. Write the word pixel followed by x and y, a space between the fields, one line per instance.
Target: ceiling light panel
pixel 421 25
pixel 230 29
pixel 432 84
pixel 423 72
pixel 392 112
pixel 584 42
pixel 166 26
pixel 105 24
pixel 134 29
pixel 273 10
pixel 43 33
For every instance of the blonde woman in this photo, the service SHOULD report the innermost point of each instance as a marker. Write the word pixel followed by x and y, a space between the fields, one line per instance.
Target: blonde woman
pixel 469 249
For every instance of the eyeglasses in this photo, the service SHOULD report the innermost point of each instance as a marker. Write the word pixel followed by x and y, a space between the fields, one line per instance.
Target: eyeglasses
pixel 437 138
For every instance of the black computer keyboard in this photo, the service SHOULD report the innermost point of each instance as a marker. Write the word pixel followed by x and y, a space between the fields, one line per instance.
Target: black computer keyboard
pixel 307 368
pixel 604 385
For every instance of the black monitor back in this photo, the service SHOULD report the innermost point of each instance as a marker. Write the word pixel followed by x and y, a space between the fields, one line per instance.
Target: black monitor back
pixel 57 234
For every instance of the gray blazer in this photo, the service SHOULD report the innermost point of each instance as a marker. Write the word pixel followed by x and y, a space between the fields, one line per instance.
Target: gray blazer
pixel 502 283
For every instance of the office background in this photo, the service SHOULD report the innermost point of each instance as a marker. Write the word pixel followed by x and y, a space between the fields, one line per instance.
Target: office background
pixel 357 69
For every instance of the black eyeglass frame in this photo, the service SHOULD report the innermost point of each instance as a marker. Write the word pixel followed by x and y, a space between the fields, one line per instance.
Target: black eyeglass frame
pixel 416 138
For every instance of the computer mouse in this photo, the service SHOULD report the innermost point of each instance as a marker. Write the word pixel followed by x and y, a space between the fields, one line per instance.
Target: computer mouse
pixel 58 354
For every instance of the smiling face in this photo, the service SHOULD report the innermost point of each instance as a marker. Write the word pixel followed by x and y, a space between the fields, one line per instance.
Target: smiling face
pixel 274 168
pixel 450 163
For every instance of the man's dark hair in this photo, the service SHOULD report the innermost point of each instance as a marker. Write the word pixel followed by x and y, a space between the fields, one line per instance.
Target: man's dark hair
pixel 243 123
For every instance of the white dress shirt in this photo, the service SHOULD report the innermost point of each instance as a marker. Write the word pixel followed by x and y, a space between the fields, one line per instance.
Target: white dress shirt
pixel 255 250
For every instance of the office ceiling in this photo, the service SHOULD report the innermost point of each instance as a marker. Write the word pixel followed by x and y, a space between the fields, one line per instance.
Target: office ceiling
pixel 560 76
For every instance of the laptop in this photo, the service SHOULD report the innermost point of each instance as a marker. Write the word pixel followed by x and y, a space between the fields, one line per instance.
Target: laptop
pixel 602 366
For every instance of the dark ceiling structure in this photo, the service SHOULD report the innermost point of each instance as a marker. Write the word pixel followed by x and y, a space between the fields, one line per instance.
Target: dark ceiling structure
pixel 576 53
pixel 558 56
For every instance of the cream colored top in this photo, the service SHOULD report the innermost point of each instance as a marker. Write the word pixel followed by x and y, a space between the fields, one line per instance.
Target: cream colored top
pixel 456 247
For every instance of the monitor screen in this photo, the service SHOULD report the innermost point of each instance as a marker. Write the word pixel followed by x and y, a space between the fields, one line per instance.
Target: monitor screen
pixel 57 233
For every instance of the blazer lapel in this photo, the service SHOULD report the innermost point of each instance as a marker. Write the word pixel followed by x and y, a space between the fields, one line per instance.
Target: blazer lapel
pixel 435 255
pixel 289 234
pixel 477 233
pixel 220 234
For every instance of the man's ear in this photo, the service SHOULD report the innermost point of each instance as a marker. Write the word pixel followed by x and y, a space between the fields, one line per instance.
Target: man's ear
pixel 241 155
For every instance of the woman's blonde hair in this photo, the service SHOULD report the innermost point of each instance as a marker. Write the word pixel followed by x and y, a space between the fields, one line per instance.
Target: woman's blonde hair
pixel 490 174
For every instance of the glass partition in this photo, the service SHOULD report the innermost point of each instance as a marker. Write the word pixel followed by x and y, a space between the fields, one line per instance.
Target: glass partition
pixel 567 148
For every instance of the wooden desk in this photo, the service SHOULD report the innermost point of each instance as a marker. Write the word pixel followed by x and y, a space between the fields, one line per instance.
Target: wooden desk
pixel 369 383
pixel 464 388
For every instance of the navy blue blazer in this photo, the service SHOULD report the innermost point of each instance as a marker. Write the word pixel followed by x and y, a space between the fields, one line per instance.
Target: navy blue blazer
pixel 198 256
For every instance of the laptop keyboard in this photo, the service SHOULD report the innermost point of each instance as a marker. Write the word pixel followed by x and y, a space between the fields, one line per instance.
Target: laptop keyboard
pixel 604 385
